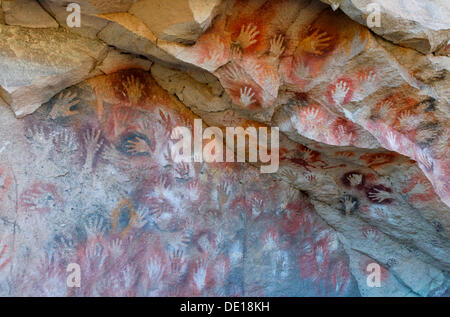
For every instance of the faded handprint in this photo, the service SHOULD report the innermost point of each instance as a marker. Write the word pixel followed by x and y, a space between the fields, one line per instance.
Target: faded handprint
pixel 39 199
pixel 311 114
pixel 379 212
pixel 385 109
pixel 357 45
pixel 310 177
pixel 39 139
pixel 235 52
pixel 345 138
pixel 349 204
pixel 138 146
pixel 215 54
pixel 366 85
pixel 95 256
pixel 176 261
pixel 233 73
pixel 66 243
pixel 115 157
pixel 139 218
pixel 145 127
pixel 92 143
pixel 340 92
pixel 95 228
pixel 155 271
pixel 257 206
pixel 166 122
pixel 121 121
pixel 115 248
pixel 371 234
pixel 276 46
pixel 224 193
pixel 270 79
pixel 425 160
pixel 355 179
pixel 408 121
pixel 193 190
pixel 391 138
pixel 182 239
pixel 183 172
pixel 379 195
pixel 270 242
pixel 307 155
pixel 426 134
pixel 133 89
pixel 63 105
pixel 129 274
pixel 316 43
pixel 254 65
pixel 421 187
pixel 246 96
pixel 289 174
pixel 247 36
pixel 301 70
pixel 67 141
pixel 367 81
pixel 200 273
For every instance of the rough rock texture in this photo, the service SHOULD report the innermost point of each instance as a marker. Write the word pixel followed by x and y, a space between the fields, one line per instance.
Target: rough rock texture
pixel 36 64
pixel 422 25
pixel 27 13
pixel 364 144
pixel 179 20
pixel 90 24
pixel 2 16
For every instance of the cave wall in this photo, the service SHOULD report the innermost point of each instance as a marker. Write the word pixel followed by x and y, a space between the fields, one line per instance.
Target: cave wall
pixel 86 174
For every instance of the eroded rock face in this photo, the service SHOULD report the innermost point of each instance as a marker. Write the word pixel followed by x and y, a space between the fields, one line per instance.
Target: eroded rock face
pixel 36 64
pixel 27 13
pixel 177 21
pixel 89 178
pixel 117 145
pixel 422 25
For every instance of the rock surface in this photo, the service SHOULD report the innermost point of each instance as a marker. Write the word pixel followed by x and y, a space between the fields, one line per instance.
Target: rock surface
pixel 177 21
pixel 422 25
pixel 37 63
pixel 88 177
pixel 27 13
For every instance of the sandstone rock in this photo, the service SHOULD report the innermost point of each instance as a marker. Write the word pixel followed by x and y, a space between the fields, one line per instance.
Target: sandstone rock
pixel 36 64
pixel 177 21
pixel 27 13
pixel 421 25
pixel 116 61
pixel 132 35
pixel 2 16
pixel 90 25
